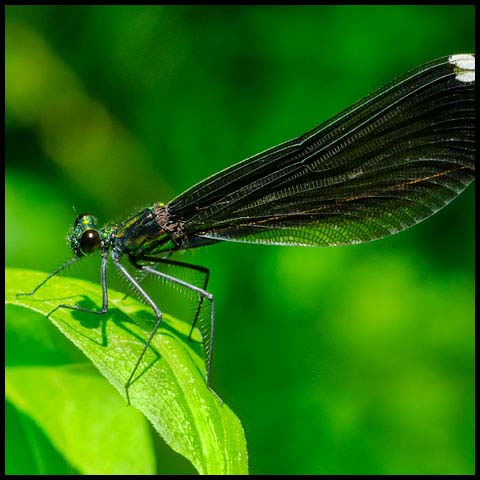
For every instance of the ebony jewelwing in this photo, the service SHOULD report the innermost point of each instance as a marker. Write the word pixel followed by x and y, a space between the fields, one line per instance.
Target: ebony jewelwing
pixel 383 165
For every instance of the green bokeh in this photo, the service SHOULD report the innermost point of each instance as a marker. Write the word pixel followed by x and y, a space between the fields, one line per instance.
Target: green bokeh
pixel 340 360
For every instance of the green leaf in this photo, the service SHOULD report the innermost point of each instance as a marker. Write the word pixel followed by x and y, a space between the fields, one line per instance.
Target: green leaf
pixel 28 451
pixel 169 388
pixel 84 419
pixel 65 416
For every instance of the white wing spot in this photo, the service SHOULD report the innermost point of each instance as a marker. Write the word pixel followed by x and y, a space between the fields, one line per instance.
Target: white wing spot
pixel 464 64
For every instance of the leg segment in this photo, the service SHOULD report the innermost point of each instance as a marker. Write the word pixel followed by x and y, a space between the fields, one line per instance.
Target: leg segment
pixel 104 291
pixel 155 309
pixel 58 270
pixel 203 270
pixel 208 343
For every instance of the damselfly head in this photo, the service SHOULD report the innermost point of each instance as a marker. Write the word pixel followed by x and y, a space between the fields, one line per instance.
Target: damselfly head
pixel 85 238
pixel 85 219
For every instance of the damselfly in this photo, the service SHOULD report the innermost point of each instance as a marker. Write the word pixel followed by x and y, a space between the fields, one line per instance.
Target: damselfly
pixel 381 166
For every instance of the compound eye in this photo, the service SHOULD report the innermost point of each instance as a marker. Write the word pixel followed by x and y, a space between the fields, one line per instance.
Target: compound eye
pixel 90 241
pixel 85 219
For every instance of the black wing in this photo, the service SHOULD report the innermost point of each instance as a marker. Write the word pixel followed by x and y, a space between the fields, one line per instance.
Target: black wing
pixel 381 166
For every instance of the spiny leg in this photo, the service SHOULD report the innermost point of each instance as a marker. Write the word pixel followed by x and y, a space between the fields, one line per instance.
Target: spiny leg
pixel 140 279
pixel 155 309
pixel 199 268
pixel 143 275
pixel 104 294
pixel 209 297
pixel 55 272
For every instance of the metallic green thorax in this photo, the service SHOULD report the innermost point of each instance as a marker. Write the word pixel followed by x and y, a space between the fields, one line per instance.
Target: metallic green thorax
pixel 149 232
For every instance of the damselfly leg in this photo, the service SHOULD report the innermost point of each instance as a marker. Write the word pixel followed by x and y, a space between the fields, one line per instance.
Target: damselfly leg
pixel 55 272
pixel 104 308
pixel 205 271
pixel 207 336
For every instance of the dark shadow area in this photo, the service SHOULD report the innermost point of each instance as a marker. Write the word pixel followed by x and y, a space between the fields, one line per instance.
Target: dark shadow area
pixel 95 321
pixel 28 450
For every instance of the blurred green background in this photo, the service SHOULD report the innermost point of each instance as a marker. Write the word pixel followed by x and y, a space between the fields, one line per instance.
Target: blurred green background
pixel 340 360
